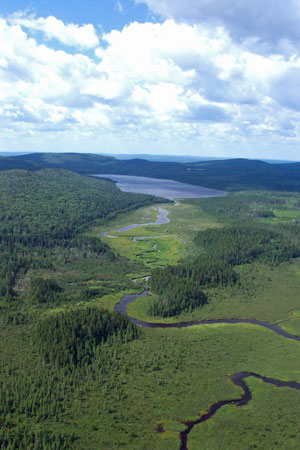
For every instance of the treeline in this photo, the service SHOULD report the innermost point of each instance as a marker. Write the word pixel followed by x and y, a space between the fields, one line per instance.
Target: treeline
pixel 184 296
pixel 219 251
pixel 12 437
pixel 48 206
pixel 245 243
pixel 68 352
pixel 245 206
pixel 180 288
pixel 43 291
pixel 47 210
pixel 71 338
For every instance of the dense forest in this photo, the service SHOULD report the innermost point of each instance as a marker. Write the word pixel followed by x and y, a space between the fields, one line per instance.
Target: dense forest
pixel 230 175
pixel 62 353
pixel 69 339
pixel 174 297
pixel 66 349
pixel 45 212
pixel 247 235
pixel 44 215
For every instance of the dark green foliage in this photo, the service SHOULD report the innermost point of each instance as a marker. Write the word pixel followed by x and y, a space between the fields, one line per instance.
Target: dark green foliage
pixel 232 175
pixel 45 211
pixel 220 251
pixel 179 287
pixel 237 208
pixel 15 437
pixel 10 317
pixel 78 162
pixel 203 272
pixel 43 291
pixel 43 216
pixel 11 163
pixel 90 245
pixel 248 235
pixel 181 297
pixel 70 339
pixel 51 206
pixel 245 243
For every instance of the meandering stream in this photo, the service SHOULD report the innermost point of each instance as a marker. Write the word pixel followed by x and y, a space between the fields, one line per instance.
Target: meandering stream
pixel 161 219
pixel 238 378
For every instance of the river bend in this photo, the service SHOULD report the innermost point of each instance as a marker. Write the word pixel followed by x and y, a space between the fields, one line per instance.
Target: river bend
pixel 237 378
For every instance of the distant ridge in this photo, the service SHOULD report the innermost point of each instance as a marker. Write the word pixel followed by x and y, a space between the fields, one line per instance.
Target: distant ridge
pixel 10 163
pixel 185 159
pixel 228 175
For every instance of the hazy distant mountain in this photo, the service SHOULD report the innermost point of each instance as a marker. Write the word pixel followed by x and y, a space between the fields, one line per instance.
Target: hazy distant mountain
pixel 230 174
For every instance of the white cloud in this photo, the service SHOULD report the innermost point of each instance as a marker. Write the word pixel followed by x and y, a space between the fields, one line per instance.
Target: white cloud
pixel 119 6
pixel 272 24
pixel 68 34
pixel 167 84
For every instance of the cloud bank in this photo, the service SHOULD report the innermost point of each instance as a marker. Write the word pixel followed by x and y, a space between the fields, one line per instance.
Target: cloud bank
pixel 198 82
pixel 274 24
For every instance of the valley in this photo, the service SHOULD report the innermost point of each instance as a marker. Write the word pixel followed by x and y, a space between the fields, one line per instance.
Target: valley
pixel 213 333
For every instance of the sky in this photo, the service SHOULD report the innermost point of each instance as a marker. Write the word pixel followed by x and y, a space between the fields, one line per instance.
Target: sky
pixel 194 77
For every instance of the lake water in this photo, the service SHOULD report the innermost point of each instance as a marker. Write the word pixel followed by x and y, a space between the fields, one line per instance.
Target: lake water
pixel 161 188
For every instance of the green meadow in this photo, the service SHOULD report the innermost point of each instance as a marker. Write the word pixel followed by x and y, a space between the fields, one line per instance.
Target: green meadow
pixel 264 294
pixel 167 377
pixel 136 393
pixel 207 352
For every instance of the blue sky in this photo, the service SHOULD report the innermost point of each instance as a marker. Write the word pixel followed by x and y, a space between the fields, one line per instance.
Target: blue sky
pixel 107 14
pixel 200 77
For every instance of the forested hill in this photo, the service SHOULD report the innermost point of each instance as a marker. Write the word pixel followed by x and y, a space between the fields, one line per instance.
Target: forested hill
pixel 49 209
pixel 230 175
pixel 10 163
pixel 54 203
pixel 78 162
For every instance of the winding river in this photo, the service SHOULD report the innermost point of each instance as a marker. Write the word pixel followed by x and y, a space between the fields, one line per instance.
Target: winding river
pixel 161 219
pixel 237 378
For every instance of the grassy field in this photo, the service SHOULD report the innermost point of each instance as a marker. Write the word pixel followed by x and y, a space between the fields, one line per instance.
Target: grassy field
pixel 169 376
pixel 141 215
pixel 272 413
pixel 185 220
pixel 264 294
pixel 154 251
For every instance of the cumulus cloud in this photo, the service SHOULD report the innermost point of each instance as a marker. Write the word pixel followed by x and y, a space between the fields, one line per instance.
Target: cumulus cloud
pixel 167 84
pixel 270 24
pixel 68 34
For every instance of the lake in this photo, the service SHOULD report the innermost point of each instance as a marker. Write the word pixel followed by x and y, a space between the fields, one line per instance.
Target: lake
pixel 161 188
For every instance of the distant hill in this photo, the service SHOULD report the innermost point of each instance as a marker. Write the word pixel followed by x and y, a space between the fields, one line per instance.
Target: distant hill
pixel 10 163
pixel 230 175
pixel 78 162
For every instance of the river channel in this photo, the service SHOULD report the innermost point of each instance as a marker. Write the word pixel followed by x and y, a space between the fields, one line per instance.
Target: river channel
pixel 161 219
pixel 237 378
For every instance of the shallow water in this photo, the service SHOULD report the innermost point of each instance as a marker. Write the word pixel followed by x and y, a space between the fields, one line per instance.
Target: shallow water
pixel 161 218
